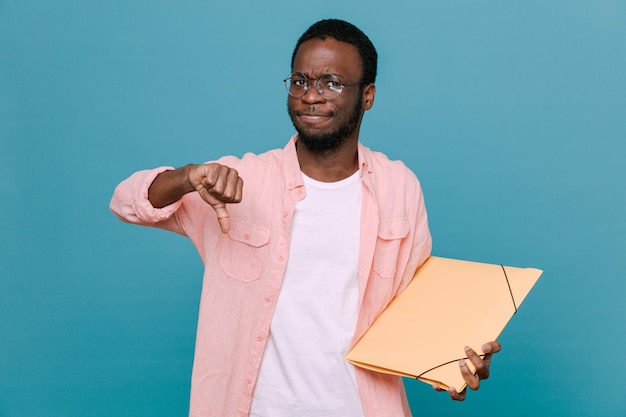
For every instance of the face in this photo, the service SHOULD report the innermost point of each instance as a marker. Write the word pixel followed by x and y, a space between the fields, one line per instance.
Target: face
pixel 326 124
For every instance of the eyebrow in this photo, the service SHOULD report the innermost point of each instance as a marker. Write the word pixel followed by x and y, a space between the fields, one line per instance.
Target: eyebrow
pixel 321 76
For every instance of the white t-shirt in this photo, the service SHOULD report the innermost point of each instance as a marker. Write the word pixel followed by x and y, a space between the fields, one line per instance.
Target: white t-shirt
pixel 303 372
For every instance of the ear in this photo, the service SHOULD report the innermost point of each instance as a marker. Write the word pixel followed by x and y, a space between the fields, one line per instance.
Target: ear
pixel 369 92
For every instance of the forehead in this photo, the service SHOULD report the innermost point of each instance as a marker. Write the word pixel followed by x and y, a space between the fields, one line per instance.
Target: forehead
pixel 317 57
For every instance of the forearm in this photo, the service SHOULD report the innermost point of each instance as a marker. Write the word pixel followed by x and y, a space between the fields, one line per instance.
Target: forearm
pixel 170 186
pixel 148 197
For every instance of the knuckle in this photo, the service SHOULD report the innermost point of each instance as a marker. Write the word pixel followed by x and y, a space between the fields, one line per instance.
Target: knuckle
pixel 217 189
pixel 228 195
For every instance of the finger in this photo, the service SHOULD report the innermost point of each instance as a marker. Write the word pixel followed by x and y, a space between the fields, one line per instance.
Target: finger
pixel 472 380
pixel 239 193
pixel 223 217
pixel 488 349
pixel 233 187
pixel 206 176
pixel 437 387
pixel 480 364
pixel 457 396
pixel 220 209
pixel 225 184
pixel 216 181
pixel 491 347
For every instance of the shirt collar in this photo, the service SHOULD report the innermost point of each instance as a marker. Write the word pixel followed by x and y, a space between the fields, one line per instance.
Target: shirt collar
pixel 293 177
pixel 365 157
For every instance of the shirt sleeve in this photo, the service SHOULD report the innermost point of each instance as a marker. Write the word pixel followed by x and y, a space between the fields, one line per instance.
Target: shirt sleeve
pixel 131 205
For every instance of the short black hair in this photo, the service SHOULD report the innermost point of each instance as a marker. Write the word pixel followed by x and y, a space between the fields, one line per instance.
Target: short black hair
pixel 344 32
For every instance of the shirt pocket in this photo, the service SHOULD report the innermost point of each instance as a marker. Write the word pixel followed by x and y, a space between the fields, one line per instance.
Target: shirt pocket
pixel 390 235
pixel 243 250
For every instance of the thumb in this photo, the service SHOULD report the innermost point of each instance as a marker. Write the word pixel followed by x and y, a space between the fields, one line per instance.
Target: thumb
pixel 222 216
pixel 219 206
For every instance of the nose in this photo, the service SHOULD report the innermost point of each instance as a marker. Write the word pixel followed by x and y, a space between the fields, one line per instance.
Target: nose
pixel 313 94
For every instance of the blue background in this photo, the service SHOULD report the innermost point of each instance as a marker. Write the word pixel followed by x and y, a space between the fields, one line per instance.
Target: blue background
pixel 513 115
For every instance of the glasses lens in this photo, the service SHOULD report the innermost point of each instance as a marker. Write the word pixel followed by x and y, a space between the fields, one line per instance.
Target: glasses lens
pixel 330 87
pixel 297 85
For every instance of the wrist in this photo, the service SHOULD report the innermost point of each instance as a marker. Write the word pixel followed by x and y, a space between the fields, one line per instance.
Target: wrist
pixel 185 179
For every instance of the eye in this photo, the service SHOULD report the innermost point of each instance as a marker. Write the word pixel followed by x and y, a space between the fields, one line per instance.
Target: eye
pixel 298 82
pixel 332 84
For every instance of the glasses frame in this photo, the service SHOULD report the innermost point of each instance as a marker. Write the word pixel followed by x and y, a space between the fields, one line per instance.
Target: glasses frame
pixel 317 85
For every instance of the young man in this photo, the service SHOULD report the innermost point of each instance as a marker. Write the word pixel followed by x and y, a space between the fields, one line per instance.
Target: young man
pixel 299 265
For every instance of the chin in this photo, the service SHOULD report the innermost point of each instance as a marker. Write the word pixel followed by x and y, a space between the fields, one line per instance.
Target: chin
pixel 322 142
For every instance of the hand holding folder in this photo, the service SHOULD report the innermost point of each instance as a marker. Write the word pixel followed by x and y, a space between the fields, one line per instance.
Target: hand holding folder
pixel 449 304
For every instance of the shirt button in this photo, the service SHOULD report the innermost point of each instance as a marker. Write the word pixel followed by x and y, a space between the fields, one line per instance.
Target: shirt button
pixel 281 258
pixel 391 233
pixel 259 338
pixel 248 381
pixel 285 214
pixel 299 191
pixel 267 299
pixel 246 236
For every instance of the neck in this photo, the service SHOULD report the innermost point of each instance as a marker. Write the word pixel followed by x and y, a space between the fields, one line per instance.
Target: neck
pixel 330 165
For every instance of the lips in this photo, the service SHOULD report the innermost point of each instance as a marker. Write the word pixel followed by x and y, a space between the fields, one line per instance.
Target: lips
pixel 313 118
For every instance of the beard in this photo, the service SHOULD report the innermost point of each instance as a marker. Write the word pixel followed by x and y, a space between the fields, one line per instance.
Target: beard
pixel 332 140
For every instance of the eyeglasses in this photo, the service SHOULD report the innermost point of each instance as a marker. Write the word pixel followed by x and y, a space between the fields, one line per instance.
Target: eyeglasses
pixel 328 86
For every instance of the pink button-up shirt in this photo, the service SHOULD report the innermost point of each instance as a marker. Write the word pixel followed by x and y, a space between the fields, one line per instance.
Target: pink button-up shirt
pixel 244 269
